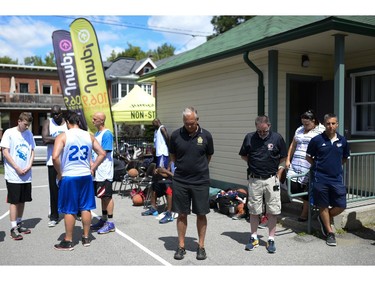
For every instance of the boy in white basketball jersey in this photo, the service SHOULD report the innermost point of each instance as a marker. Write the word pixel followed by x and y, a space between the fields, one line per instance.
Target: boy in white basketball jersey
pixel 71 158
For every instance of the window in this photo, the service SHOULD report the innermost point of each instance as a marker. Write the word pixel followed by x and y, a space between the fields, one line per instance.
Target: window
pixel 24 87
pixel 147 88
pixel 114 92
pixel 47 89
pixel 124 90
pixel 363 103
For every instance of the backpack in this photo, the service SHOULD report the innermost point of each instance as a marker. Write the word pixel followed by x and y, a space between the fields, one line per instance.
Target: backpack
pixel 226 199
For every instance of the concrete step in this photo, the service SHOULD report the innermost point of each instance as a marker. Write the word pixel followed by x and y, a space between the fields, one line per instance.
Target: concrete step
pixel 356 216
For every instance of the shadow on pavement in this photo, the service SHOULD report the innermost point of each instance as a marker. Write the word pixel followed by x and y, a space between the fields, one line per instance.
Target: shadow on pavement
pixel 171 243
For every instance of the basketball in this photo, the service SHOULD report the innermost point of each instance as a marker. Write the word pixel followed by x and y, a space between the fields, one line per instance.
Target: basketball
pixel 137 200
pixel 241 190
pixel 133 173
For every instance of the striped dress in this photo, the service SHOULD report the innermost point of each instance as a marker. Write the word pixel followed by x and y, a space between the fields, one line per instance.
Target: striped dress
pixel 299 164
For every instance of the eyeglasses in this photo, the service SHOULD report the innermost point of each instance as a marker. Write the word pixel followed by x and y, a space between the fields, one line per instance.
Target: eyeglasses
pixel 55 113
pixel 263 131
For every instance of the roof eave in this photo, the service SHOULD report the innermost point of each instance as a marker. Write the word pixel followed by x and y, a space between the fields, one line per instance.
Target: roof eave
pixel 331 23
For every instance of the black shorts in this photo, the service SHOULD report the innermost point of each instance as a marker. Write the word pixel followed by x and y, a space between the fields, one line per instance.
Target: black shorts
pixel 18 192
pixel 159 188
pixel 196 196
pixel 103 189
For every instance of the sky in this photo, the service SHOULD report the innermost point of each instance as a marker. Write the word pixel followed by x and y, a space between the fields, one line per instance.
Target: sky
pixel 27 35
pixel 26 26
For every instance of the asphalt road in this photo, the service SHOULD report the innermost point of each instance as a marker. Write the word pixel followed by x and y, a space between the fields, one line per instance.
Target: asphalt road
pixel 143 247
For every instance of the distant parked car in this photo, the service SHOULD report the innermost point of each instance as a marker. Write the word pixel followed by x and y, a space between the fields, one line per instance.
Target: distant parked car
pixel 40 151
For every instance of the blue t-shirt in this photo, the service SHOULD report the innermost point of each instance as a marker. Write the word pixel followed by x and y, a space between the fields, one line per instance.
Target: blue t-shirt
pixel 328 157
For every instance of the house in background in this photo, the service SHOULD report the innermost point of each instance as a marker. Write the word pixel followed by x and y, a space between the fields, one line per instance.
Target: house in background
pixel 28 88
pixel 280 66
pixel 122 74
pixel 36 88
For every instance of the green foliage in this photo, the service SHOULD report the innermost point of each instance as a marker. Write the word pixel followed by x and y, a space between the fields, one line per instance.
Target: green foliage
pixel 8 60
pixel 162 52
pixel 159 53
pixel 49 60
pixel 224 23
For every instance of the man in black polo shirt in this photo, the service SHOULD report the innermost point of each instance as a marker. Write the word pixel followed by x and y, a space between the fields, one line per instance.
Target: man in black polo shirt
pixel 265 154
pixel 191 148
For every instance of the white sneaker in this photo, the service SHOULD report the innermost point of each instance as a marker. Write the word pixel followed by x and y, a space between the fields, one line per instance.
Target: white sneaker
pixel 52 223
pixel 160 216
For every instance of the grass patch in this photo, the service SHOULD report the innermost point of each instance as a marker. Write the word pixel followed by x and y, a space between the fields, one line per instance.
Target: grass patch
pixel 340 231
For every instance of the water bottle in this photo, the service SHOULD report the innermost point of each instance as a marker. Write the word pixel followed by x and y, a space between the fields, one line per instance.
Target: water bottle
pixel 231 209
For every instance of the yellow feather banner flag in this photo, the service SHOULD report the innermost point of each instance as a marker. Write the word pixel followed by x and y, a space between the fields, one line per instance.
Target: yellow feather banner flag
pixel 89 66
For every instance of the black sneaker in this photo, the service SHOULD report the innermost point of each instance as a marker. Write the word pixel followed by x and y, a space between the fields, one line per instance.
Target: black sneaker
pixel 23 230
pixel 331 240
pixel 64 246
pixel 14 235
pixel 271 248
pixel 86 241
pixel 180 252
pixel 322 227
pixel 201 254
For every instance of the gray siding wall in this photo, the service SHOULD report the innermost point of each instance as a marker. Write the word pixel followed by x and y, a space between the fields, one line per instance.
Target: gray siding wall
pixel 225 95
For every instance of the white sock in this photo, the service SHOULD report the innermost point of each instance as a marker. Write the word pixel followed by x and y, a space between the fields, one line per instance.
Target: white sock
pixel 254 235
pixel 271 238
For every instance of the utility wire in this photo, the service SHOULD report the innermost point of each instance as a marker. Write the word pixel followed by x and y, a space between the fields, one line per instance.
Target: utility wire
pixel 151 28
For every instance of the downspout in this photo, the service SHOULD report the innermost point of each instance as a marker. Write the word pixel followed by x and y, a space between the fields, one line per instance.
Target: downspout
pixel 261 97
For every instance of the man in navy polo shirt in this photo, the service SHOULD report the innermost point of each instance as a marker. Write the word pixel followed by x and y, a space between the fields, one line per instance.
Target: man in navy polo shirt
pixel 265 154
pixel 191 148
pixel 327 153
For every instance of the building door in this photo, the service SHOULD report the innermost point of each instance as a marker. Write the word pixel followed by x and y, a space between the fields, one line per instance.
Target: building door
pixel 302 94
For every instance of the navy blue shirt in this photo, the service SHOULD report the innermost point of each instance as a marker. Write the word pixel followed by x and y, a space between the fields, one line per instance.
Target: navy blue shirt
pixel 191 156
pixel 263 154
pixel 328 157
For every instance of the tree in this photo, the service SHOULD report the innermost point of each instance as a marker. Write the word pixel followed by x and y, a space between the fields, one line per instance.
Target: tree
pixel 131 52
pixel 8 60
pixel 162 52
pixel 224 23
pixel 49 60
pixel 113 56
pixel 134 52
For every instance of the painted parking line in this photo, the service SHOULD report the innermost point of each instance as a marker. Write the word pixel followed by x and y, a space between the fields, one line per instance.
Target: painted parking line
pixel 139 245
pixel 7 212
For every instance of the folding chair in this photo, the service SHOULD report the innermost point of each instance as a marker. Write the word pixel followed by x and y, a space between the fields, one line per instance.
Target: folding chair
pixel 140 183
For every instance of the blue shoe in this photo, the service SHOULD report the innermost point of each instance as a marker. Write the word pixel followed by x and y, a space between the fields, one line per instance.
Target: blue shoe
pixel 98 225
pixel 150 212
pixel 167 218
pixel 253 243
pixel 108 227
pixel 271 248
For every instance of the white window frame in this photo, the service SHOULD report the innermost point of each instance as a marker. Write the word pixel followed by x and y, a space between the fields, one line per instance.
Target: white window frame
pixel 147 88
pixel 114 92
pixel 355 105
